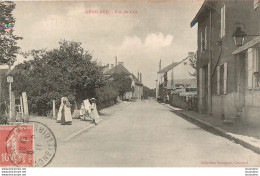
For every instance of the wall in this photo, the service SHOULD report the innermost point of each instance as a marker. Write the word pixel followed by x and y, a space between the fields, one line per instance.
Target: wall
pixel 138 91
pixel 224 105
pixel 183 102
pixel 236 12
pixel 251 111
pixel 178 101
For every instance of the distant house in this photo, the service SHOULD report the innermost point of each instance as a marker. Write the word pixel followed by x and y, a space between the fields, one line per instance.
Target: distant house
pixel 137 85
pixel 228 75
pixel 173 76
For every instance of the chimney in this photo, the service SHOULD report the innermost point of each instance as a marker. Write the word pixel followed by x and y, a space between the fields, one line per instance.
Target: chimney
pixel 138 76
pixel 122 63
pixel 160 65
pixel 107 65
pixel 112 66
pixel 141 77
pixel 116 61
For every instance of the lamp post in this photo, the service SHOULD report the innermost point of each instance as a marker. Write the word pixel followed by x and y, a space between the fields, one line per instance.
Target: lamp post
pixel 239 35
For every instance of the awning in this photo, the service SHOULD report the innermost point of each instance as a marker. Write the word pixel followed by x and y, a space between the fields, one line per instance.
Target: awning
pixel 249 44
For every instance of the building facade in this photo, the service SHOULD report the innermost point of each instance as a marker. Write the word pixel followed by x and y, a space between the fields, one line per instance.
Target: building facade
pixel 137 85
pixel 173 76
pixel 222 75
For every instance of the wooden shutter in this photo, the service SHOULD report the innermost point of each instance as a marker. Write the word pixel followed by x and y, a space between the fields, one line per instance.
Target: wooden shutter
pixel 201 81
pixel 250 68
pixel 255 59
pixel 218 80
pixel 223 21
pixel 225 79
pixel 205 40
pixel 201 42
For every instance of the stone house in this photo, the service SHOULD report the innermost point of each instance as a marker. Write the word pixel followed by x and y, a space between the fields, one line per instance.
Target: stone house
pixel 175 75
pixel 137 85
pixel 225 72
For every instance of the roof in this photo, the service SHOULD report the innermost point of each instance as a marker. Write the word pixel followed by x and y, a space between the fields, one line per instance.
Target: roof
pixel 250 44
pixel 119 69
pixel 171 66
pixel 200 12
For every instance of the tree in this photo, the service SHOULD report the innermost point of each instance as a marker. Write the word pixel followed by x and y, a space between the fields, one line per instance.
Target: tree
pixel 122 82
pixel 66 71
pixel 148 92
pixel 193 64
pixel 8 46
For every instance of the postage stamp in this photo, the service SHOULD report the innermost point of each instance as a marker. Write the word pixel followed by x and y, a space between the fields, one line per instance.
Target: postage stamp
pixel 16 145
pixel 27 145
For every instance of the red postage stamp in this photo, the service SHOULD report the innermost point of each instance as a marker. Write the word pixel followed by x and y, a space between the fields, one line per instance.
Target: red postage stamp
pixel 16 145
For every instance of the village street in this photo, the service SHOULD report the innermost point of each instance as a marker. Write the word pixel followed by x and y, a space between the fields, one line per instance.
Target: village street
pixel 147 134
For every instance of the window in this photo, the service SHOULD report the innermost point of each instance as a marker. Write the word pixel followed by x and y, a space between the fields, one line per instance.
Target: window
pixel 256 4
pixel 222 79
pixel 223 22
pixel 253 68
pixel 203 39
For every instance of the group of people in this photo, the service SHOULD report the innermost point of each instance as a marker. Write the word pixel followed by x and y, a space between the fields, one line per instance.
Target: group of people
pixel 88 108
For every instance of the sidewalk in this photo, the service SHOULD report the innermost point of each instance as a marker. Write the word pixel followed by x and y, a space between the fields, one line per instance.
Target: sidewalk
pixel 238 131
pixel 64 133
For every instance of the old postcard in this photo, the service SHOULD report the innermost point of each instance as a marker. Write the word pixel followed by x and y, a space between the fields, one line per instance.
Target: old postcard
pixel 130 84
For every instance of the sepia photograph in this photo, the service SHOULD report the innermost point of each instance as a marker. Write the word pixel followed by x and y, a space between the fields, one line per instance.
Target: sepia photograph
pixel 160 83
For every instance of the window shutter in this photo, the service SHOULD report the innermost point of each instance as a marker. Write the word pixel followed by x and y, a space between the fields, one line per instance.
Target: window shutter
pixel 206 33
pixel 256 4
pixel 223 21
pixel 225 79
pixel 250 68
pixel 201 42
pixel 255 60
pixel 218 80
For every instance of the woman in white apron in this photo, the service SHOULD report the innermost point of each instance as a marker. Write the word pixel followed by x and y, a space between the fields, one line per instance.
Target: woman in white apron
pixel 87 106
pixel 94 113
pixel 85 109
pixel 64 114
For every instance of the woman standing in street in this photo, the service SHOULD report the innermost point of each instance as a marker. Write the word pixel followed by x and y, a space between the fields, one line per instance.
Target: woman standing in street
pixel 64 115
pixel 94 113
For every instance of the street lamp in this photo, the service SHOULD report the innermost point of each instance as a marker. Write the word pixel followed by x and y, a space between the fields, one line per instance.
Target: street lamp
pixel 239 35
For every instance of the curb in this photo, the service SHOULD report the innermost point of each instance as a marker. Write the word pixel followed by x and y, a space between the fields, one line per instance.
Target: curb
pixel 80 131
pixel 216 130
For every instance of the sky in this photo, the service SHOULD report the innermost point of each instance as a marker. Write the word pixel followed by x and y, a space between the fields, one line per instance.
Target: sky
pixel 154 31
